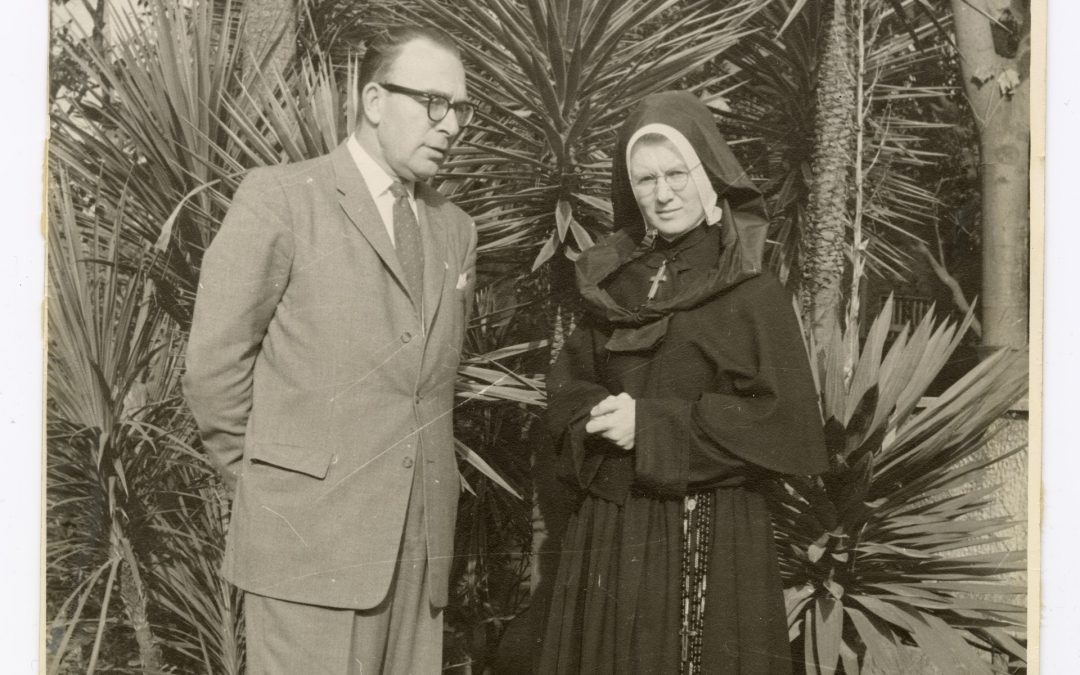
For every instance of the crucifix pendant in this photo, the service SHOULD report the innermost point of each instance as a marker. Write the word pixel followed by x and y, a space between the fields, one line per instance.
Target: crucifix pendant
pixel 657 279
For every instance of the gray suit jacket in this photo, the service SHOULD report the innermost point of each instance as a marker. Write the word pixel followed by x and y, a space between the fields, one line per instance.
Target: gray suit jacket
pixel 318 387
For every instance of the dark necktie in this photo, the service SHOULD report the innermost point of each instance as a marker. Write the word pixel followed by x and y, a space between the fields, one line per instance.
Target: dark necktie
pixel 410 250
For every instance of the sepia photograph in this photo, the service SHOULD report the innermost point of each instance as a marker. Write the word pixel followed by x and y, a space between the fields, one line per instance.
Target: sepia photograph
pixel 564 337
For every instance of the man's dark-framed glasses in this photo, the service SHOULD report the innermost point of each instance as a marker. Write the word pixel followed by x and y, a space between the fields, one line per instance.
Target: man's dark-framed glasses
pixel 438 106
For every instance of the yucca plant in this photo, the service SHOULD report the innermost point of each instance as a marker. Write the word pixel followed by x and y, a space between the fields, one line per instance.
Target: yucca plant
pixel 198 611
pixel 824 232
pixel 145 171
pixel 900 65
pixel 493 535
pixel 876 553
pixel 99 345
pixel 155 133
pixel 181 125
pixel 280 119
pixel 555 79
pixel 147 161
pixel 310 114
pixel 117 458
pixel 494 532
pixel 143 167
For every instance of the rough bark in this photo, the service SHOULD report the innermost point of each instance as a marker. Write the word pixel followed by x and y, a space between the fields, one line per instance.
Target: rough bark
pixel 134 596
pixel 824 237
pixel 269 35
pixel 997 84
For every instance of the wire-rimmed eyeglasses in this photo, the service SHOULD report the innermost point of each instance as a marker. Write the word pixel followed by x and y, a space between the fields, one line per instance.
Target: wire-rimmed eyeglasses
pixel 438 106
pixel 676 179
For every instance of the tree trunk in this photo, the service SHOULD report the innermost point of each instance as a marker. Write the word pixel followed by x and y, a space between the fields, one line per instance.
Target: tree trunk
pixel 995 56
pixel 824 237
pixel 269 35
pixel 997 84
pixel 134 597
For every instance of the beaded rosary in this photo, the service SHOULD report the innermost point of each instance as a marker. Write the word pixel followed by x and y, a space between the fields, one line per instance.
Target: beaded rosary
pixel 697 537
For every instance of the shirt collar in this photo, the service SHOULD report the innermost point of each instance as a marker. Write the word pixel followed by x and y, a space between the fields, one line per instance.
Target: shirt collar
pixel 376 178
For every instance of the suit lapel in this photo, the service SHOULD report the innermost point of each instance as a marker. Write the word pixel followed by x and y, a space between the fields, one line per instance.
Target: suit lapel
pixel 356 201
pixel 436 261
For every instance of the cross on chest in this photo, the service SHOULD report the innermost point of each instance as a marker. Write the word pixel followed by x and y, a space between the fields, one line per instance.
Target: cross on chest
pixel 657 279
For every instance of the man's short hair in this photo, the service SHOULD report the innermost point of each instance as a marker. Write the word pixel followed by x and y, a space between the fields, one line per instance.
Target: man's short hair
pixel 384 48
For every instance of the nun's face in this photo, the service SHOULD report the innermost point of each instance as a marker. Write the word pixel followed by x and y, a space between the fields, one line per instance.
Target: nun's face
pixel 665 191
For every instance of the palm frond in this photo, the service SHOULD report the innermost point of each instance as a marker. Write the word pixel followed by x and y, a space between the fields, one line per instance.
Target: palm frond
pixel 153 134
pixel 117 446
pixel 880 551
pixel 906 75
pixel 554 85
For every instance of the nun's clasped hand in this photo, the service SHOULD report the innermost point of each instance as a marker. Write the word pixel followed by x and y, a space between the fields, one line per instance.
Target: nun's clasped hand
pixel 614 419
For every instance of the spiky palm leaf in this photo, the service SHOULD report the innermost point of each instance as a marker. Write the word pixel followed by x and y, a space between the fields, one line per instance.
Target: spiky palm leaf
pixel 304 116
pixel 182 122
pixel 555 79
pixel 904 77
pixel 154 158
pixel 155 135
pixel 335 28
pixel 160 151
pixel 309 115
pixel 877 552
pixel 116 456
pixel 493 536
pixel 100 342
pixel 200 611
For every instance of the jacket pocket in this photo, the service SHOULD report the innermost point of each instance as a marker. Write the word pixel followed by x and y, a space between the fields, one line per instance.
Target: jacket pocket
pixel 308 461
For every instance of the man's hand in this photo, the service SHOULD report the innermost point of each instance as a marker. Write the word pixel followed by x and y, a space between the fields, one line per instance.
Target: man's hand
pixel 614 419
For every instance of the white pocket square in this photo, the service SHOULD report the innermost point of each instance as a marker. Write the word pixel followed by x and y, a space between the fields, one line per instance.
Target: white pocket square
pixel 462 280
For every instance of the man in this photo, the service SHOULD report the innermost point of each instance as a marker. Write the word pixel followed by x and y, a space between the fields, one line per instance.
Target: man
pixel 321 367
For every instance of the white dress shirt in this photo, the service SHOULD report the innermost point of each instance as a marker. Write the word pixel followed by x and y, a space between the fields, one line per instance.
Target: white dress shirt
pixel 378 182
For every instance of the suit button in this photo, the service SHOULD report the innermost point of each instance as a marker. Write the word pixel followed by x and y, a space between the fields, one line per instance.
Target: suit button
pixel 407 462
pixel 406 336
pixel 417 399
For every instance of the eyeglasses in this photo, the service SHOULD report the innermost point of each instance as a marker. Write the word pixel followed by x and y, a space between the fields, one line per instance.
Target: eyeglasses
pixel 438 106
pixel 676 180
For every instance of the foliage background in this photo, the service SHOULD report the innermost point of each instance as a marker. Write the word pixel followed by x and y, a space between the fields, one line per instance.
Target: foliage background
pixel 152 133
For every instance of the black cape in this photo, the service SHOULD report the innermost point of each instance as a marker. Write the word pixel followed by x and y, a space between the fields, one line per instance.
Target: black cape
pixel 725 400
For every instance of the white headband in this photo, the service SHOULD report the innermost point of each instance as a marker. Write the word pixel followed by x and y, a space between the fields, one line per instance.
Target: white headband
pixel 697 171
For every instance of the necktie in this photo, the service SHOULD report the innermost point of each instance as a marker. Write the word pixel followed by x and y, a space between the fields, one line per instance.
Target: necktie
pixel 410 249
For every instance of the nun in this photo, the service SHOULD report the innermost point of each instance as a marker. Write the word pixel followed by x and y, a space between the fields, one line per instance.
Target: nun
pixel 685 387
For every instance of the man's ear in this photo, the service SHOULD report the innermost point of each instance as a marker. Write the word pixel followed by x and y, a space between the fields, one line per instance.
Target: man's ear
pixel 371 98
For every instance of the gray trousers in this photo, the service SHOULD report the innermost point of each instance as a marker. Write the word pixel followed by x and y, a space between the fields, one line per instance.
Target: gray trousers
pixel 402 635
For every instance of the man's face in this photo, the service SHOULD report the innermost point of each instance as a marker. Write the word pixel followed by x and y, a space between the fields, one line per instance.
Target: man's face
pixel 410 144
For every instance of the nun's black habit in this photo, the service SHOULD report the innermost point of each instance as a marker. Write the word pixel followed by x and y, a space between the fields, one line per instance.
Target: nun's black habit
pixel 724 400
